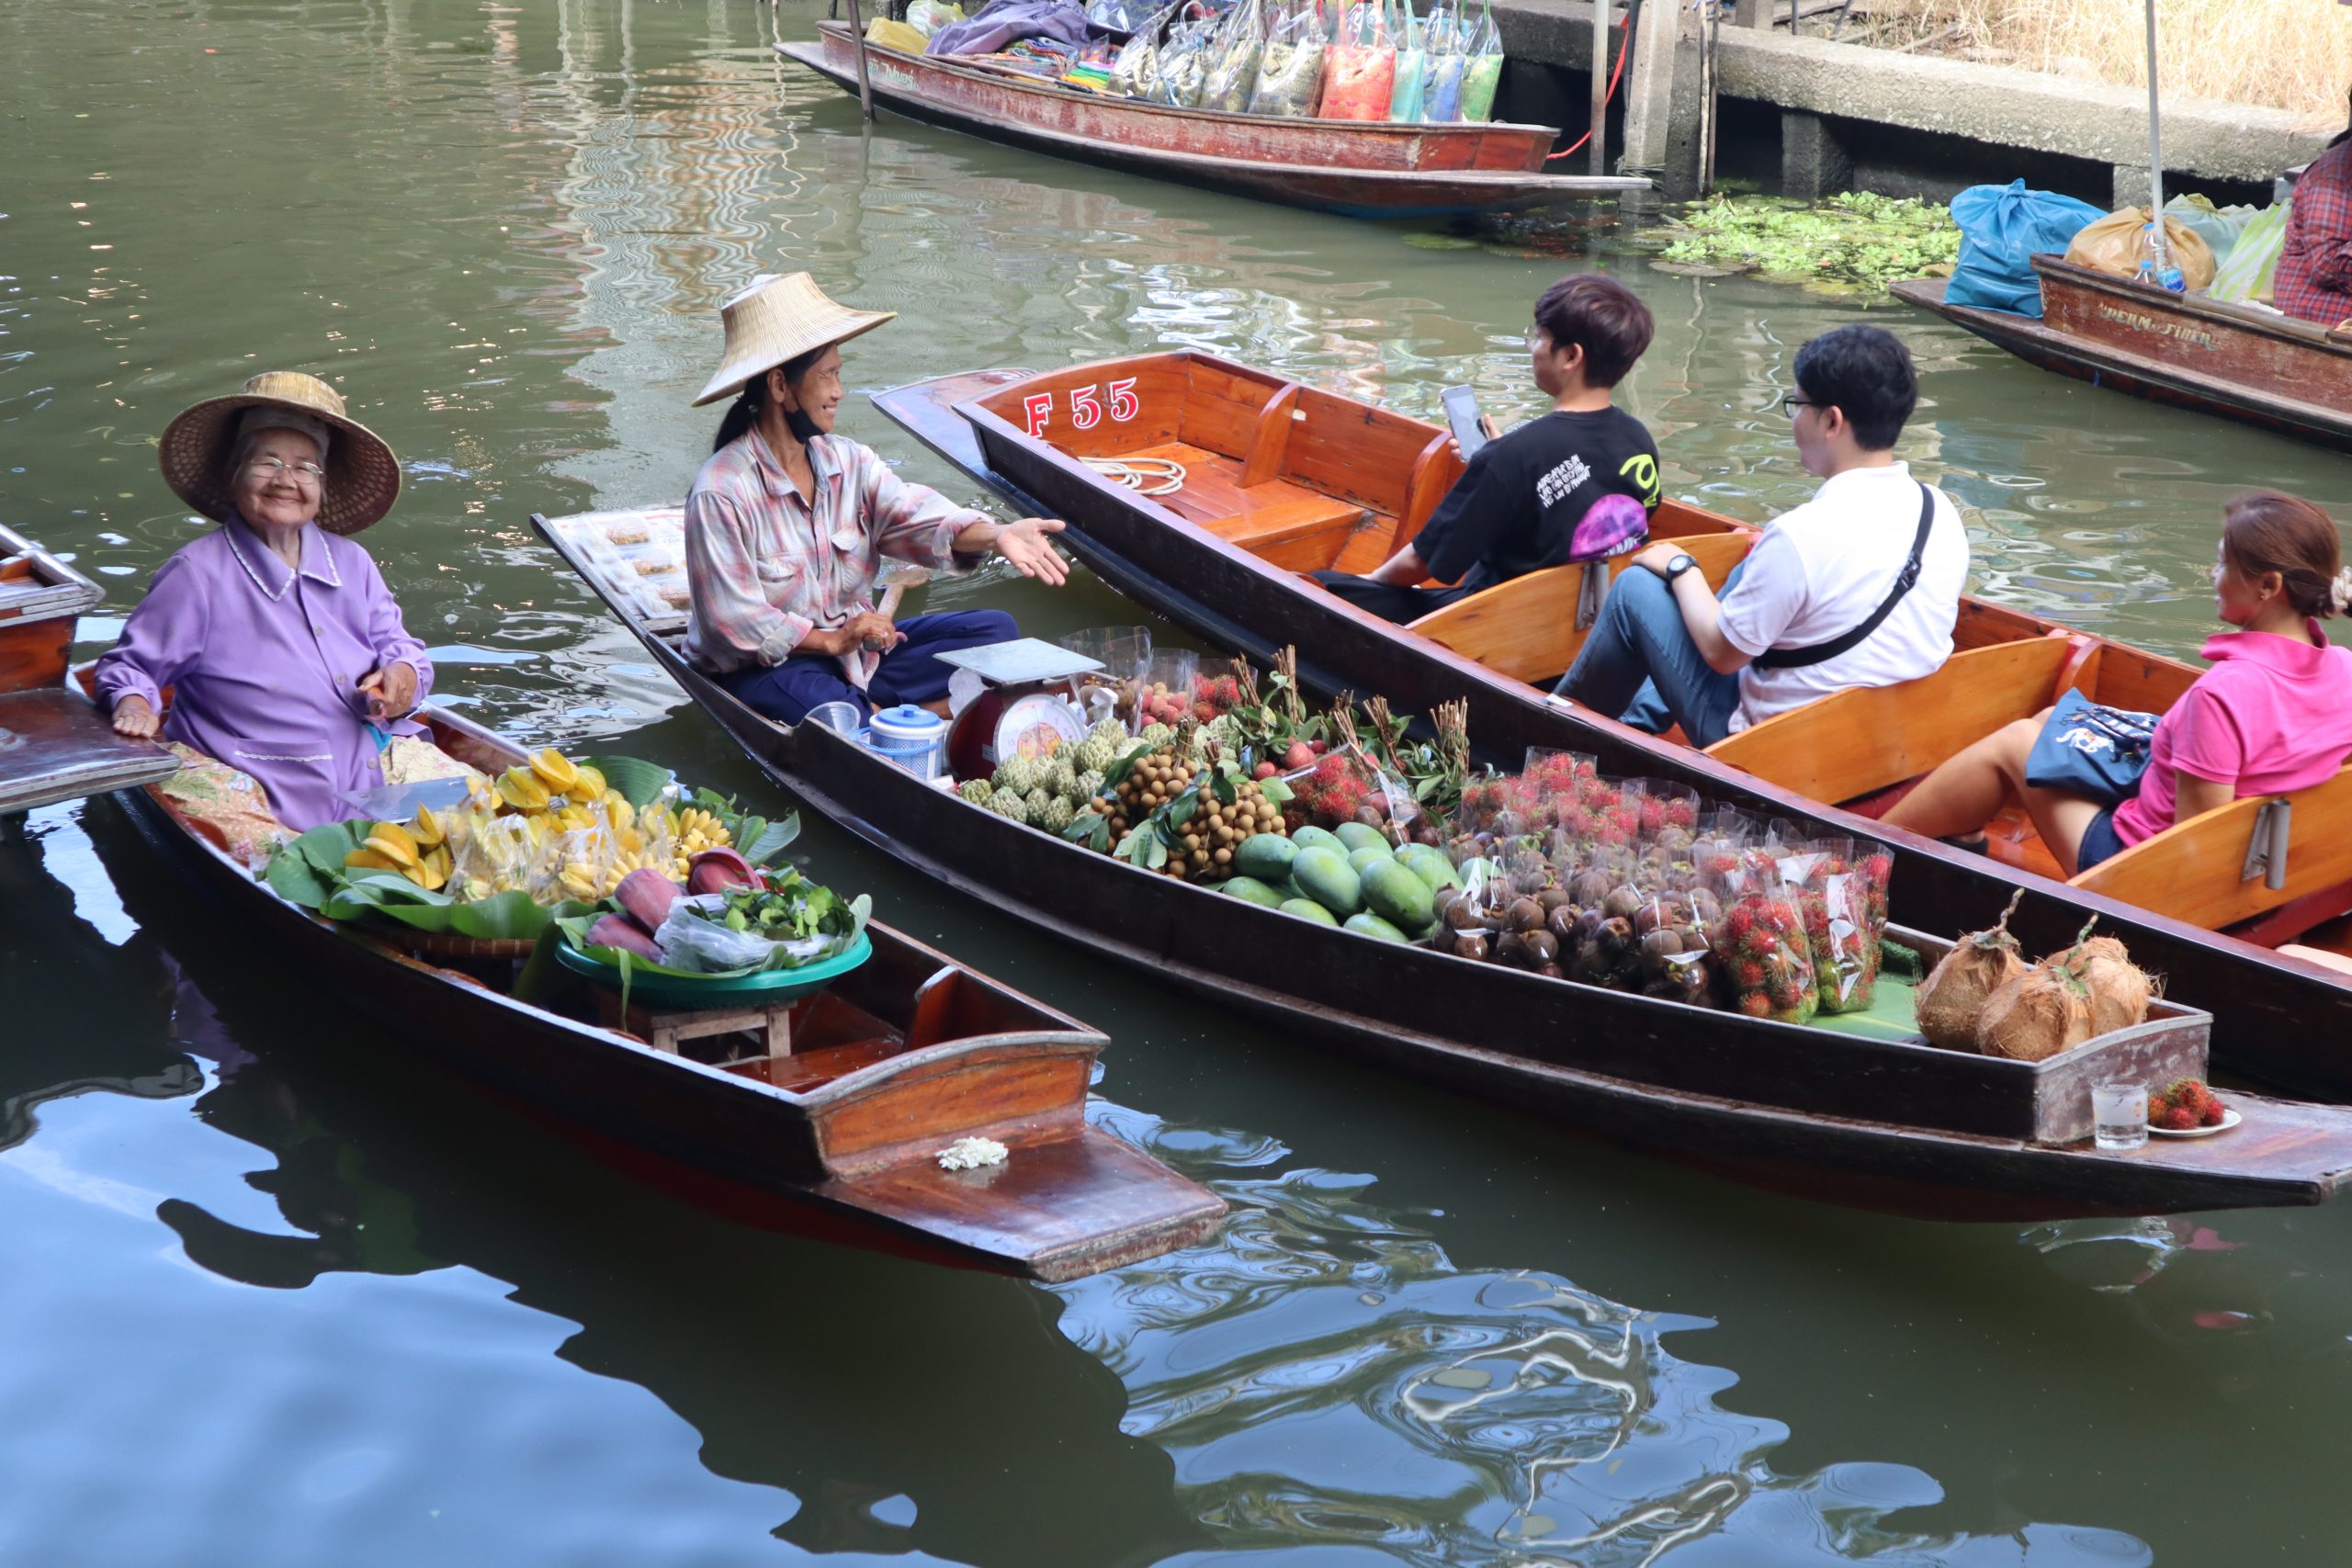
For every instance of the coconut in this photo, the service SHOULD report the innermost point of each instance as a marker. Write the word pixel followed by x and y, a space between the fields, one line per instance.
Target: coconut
pixel 2035 1015
pixel 1955 991
pixel 2120 989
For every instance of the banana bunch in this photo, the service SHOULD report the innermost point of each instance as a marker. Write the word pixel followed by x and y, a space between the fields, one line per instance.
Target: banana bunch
pixel 419 852
pixel 550 780
pixel 690 830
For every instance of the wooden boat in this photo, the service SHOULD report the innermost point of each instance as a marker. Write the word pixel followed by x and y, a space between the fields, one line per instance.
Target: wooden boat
pixel 1360 169
pixel 1895 1125
pixel 1283 480
pixel 885 1066
pixel 53 745
pixel 2239 361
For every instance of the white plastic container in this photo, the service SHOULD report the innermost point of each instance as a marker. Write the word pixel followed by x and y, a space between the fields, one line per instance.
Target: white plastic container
pixel 914 737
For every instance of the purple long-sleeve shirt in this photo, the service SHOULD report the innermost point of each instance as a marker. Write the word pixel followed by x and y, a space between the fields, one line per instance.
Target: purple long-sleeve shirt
pixel 264 660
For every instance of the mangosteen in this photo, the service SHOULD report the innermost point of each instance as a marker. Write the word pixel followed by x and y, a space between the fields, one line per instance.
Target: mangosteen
pixel 1372 814
pixel 1658 946
pixel 1463 914
pixel 1471 945
pixel 1589 965
pixel 1510 948
pixel 1542 948
pixel 1560 922
pixel 1616 938
pixel 1552 972
pixel 1553 899
pixel 1590 887
pixel 1524 915
pixel 1623 902
pixel 1589 924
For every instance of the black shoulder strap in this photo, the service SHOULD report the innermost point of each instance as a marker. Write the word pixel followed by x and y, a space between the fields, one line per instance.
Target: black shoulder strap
pixel 1905 580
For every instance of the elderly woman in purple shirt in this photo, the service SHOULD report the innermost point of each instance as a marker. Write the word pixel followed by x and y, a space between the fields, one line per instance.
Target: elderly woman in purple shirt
pixel 283 650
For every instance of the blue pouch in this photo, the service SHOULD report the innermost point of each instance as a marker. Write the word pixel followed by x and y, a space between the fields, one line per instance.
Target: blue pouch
pixel 2092 750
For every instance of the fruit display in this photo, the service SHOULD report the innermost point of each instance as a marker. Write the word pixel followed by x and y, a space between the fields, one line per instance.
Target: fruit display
pixel 1167 811
pixel 731 918
pixel 2184 1104
pixel 2042 1011
pixel 1841 892
pixel 1046 793
pixel 1952 996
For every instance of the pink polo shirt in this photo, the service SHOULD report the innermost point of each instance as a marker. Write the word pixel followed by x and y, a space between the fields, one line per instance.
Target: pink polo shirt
pixel 2273 715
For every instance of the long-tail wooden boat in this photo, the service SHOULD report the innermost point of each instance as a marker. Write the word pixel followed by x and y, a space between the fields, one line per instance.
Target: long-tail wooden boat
pixel 2239 361
pixel 1360 169
pixel 54 746
pixel 1282 479
pixel 1895 1125
pixel 885 1066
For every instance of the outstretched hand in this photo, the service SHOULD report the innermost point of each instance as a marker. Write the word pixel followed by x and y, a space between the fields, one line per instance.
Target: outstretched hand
pixel 1025 545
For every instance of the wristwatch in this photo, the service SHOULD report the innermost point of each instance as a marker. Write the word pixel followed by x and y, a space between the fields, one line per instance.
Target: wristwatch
pixel 1676 567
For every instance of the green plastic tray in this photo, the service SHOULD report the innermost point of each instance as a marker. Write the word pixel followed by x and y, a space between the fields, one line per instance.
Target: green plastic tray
pixel 678 992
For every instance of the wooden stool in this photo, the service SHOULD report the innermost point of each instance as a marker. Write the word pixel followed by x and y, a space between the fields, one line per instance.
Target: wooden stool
pixel 663 1031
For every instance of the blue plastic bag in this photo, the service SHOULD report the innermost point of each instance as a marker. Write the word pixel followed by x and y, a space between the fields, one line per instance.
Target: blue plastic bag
pixel 2001 227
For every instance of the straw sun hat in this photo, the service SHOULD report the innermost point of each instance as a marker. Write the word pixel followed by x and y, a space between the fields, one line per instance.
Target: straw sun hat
pixel 363 476
pixel 775 319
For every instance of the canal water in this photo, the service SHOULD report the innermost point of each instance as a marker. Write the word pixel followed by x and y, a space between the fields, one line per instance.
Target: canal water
pixel 278 1295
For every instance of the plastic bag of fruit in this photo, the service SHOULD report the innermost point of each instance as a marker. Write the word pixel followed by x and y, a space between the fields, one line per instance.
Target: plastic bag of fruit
pixel 1843 918
pixel 1233 72
pixel 1764 959
pixel 1290 71
pixel 1360 69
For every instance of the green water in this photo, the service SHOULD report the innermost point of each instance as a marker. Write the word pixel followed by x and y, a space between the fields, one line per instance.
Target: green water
pixel 278 1295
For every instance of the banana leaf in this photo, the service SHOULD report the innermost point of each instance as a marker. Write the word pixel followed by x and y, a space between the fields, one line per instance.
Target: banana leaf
pixel 638 780
pixel 387 896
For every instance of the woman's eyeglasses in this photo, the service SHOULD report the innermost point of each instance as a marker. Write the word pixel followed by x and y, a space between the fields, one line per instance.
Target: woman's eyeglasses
pixel 278 467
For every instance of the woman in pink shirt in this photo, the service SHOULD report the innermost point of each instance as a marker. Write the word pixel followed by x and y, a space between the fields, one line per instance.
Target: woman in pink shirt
pixel 2273 715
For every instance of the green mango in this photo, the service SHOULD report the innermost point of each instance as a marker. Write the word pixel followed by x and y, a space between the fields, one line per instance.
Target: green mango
pixel 1360 859
pixel 1359 835
pixel 1330 880
pixel 1311 837
pixel 1265 856
pixel 1397 893
pixel 1370 924
pixel 1307 909
pixel 1252 890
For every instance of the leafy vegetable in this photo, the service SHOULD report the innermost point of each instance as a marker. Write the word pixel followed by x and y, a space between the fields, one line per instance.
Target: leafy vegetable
pixel 1856 238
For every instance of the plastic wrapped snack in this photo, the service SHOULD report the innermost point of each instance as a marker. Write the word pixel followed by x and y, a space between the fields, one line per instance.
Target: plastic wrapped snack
pixel 1184 64
pixel 1136 73
pixel 1233 74
pixel 1482 69
pixel 1290 70
pixel 1360 69
pixel 1412 66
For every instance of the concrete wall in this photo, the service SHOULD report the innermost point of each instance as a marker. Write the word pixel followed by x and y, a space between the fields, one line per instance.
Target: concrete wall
pixel 1904 124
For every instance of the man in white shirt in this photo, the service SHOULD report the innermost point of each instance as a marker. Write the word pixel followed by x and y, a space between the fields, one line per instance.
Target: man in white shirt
pixel 1858 587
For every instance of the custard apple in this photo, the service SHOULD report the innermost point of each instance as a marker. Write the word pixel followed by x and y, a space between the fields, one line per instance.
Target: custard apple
pixel 1058 816
pixel 1089 783
pixel 977 791
pixel 1005 803
pixel 1017 774
pixel 1035 803
pixel 1060 777
pixel 1157 735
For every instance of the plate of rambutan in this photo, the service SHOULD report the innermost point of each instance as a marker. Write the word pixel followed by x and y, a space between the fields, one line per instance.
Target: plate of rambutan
pixel 2187 1109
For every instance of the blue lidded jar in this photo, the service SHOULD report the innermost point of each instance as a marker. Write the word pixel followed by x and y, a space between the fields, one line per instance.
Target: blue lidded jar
pixel 914 737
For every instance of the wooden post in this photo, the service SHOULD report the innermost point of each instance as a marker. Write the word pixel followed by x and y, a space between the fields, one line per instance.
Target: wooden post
pixel 1600 86
pixel 864 87
pixel 1649 88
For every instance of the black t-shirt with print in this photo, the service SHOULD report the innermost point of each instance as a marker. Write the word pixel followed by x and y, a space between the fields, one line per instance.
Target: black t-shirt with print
pixel 1516 507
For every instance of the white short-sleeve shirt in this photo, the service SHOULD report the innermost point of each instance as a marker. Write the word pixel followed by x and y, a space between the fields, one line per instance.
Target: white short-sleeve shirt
pixel 1821 570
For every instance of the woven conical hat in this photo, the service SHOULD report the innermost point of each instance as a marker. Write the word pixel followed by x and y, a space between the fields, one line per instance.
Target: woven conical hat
pixel 363 477
pixel 776 319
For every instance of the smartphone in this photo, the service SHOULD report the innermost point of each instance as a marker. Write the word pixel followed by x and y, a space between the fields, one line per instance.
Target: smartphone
pixel 1462 414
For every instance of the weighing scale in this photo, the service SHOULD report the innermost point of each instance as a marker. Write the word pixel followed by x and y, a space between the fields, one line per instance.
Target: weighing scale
pixel 1019 711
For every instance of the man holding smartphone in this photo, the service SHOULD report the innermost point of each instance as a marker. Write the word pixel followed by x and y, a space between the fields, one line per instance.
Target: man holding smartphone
pixel 1578 484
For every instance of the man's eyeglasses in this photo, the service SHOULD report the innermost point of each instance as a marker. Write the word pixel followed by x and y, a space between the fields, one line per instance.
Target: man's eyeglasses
pixel 278 467
pixel 1791 402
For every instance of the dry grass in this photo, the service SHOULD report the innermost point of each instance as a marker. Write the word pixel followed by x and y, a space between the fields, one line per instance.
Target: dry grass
pixel 2287 55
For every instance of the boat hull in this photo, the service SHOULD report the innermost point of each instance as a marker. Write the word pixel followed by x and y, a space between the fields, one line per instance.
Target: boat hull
pixel 1356 169
pixel 1072 1200
pixel 1783 1108
pixel 2282 376
pixel 2279 1019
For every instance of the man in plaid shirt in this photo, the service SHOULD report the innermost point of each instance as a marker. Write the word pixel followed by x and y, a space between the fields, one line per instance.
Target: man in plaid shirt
pixel 787 525
pixel 2314 277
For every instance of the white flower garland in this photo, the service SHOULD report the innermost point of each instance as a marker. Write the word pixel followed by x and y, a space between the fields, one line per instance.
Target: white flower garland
pixel 971 1154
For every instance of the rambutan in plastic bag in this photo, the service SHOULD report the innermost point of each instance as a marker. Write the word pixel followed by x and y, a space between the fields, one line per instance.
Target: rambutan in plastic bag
pixel 1360 69
pixel 1343 786
pixel 1842 891
pixel 1764 958
pixel 1290 69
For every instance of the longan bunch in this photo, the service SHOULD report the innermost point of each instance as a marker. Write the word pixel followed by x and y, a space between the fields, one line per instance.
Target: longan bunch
pixel 1151 783
pixel 1216 829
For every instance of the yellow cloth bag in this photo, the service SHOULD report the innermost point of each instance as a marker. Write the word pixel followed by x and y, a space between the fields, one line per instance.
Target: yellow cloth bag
pixel 2113 244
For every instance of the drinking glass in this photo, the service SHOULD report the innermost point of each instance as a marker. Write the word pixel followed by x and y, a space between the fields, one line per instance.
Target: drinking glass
pixel 2119 1115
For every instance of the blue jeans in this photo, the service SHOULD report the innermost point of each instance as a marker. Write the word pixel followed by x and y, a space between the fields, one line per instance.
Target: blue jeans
pixel 908 673
pixel 1640 663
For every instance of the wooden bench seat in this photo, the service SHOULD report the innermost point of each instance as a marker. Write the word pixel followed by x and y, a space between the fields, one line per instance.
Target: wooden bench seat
pixel 1287 523
pixel 2192 870
pixel 1853 743
pixel 1526 628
